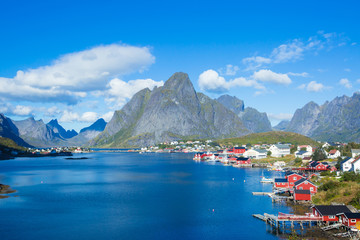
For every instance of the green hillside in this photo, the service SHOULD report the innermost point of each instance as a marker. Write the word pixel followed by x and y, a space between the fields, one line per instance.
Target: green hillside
pixel 6 143
pixel 269 138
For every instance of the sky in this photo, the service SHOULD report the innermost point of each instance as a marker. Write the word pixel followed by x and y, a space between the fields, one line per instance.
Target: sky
pixel 77 61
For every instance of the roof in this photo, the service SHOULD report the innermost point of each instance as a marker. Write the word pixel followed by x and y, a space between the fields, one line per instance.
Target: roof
pixel 301 152
pixel 280 180
pixel 282 146
pixel 242 159
pixel 303 180
pixel 333 151
pixel 326 210
pixel 350 215
pixel 345 160
pixel 307 158
pixel 261 150
pixel 239 148
pixel 292 173
pixel 356 159
pixel 296 191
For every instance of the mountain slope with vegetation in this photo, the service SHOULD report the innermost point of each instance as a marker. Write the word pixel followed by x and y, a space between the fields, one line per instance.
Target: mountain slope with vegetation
pixel 269 138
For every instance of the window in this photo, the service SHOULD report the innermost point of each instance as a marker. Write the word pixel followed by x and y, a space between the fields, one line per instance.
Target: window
pixel 311 189
pixel 353 220
pixel 300 188
pixel 295 178
pixel 331 217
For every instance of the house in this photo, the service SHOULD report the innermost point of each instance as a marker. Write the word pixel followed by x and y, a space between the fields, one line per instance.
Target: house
pixel 328 212
pixel 356 164
pixel 334 154
pixel 318 166
pixel 303 154
pixel 346 164
pixel 281 183
pixel 238 150
pixel 292 178
pixel 243 161
pixel 355 152
pixel 307 148
pixel 302 195
pixel 279 150
pixel 306 160
pixel 349 218
pixel 255 153
pixel 305 184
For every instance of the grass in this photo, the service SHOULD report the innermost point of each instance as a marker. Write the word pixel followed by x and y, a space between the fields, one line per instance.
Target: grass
pixel 269 138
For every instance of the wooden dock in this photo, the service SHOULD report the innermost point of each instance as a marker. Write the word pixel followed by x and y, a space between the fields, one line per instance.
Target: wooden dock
pixel 284 220
pixel 262 193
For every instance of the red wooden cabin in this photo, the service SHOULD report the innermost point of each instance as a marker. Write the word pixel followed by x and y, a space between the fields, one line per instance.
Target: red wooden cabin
pixel 328 212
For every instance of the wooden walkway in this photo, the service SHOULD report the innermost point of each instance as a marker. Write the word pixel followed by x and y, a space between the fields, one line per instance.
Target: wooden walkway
pixel 283 220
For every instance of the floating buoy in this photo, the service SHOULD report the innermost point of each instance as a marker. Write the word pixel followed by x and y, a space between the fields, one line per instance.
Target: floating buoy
pixel 41 181
pixel 244 180
pixel 233 179
pixel 213 210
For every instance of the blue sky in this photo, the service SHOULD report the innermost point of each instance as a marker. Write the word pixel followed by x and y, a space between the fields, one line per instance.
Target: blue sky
pixel 80 60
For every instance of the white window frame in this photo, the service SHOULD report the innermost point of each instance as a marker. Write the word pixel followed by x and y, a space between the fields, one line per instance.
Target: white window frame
pixel 331 217
pixel 353 220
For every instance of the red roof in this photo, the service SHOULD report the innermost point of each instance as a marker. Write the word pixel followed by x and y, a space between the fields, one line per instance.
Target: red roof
pixel 333 151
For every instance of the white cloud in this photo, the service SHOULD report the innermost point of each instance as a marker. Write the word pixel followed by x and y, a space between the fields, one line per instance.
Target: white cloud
pixel 303 74
pixel 230 70
pixel 107 116
pixel 312 86
pixel 69 116
pixel 345 82
pixel 265 75
pixel 280 116
pixel 119 91
pixel 295 50
pixel 210 80
pixel 72 75
pixel 22 110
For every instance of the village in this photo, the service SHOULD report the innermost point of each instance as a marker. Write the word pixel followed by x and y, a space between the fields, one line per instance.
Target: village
pixel 307 170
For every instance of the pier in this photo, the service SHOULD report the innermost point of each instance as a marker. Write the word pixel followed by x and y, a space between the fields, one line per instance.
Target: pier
pixel 283 220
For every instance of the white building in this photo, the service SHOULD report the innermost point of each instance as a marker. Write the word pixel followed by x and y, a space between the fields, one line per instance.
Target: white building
pixel 306 148
pixel 279 150
pixel 332 154
pixel 355 152
pixel 255 153
pixel 346 165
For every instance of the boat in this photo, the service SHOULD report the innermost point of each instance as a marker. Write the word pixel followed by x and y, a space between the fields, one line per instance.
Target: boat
pixel 266 180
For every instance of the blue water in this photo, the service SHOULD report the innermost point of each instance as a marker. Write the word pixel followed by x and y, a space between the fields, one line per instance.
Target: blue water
pixel 132 196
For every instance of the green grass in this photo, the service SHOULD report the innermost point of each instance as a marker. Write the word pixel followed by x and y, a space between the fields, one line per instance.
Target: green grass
pixel 6 143
pixel 269 138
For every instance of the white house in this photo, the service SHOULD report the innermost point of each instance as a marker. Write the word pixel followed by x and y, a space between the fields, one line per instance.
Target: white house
pixel 346 164
pixel 307 148
pixel 333 154
pixel 279 150
pixel 355 152
pixel 356 165
pixel 303 154
pixel 255 153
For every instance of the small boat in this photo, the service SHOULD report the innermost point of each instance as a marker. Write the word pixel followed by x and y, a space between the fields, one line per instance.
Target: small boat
pixel 266 180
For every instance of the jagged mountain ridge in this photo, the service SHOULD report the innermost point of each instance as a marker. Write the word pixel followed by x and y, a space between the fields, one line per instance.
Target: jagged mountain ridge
pixel 337 120
pixel 9 130
pixel 282 126
pixel 88 133
pixel 171 112
pixel 251 118
pixel 58 129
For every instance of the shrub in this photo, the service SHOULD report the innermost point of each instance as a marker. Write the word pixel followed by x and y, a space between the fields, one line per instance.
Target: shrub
pixel 330 185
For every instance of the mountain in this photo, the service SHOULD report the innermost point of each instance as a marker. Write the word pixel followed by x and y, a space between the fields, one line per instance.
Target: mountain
pixel 282 126
pixel 58 129
pixel 250 117
pixel 171 112
pixel 37 133
pixel 337 120
pixel 233 103
pixel 88 133
pixel 9 130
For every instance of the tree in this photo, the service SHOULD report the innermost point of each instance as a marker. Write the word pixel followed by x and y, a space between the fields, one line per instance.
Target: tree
pixel 319 155
pixel 269 153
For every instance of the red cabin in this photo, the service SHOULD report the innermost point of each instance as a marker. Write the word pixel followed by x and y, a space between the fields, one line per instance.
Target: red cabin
pixel 243 160
pixel 328 212
pixel 349 218
pixel 281 183
pixel 292 178
pixel 302 195
pixel 238 150
pixel 305 184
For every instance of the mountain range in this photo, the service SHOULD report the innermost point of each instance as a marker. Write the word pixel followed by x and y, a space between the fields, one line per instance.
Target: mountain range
pixel 337 120
pixel 176 111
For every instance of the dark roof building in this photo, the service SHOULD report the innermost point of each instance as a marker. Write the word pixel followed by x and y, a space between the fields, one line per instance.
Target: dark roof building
pixel 326 210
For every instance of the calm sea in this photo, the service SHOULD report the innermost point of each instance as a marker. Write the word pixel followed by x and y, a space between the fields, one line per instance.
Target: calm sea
pixel 132 196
